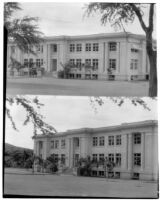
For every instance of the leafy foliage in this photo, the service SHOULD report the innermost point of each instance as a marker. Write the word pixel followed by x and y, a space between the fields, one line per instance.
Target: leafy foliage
pixel 31 114
pixel 22 32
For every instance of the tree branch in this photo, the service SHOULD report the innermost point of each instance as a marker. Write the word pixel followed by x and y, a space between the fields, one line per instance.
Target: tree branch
pixel 139 15
pixel 151 12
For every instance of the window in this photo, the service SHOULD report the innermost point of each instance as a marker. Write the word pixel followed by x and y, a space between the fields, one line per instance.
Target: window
pixel 40 145
pixel 13 49
pixel 110 140
pixel 101 157
pixel 134 64
pixel 52 144
pixel 54 48
pixel 112 64
pixel 56 144
pixel 63 159
pixel 118 139
pixel 31 62
pixel 101 173
pixel 137 159
pixel 26 62
pixel 112 46
pixel 95 63
pixel 76 142
pixel 56 157
pixel 38 63
pixel 72 47
pixel 95 46
pixel 137 138
pixel 79 47
pixel 88 61
pixel 133 50
pixel 111 157
pixel 88 47
pixel 78 62
pixel 38 48
pixel 42 48
pixel 63 143
pixel 101 141
pixel 94 157
pixel 41 62
pixel 118 159
pixel 95 141
pixel 72 61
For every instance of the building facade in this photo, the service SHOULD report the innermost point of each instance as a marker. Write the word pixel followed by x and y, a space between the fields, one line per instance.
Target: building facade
pixel 116 56
pixel 133 147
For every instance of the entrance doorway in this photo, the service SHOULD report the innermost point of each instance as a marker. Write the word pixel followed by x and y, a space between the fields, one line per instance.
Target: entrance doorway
pixel 53 65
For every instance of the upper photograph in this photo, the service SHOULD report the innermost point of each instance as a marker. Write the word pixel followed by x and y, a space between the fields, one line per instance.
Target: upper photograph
pixel 80 49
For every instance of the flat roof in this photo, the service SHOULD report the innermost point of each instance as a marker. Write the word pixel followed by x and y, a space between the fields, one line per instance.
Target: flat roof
pixel 101 129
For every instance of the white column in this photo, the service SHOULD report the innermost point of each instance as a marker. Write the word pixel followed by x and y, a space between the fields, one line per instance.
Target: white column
pixel 125 154
pixel 142 151
pixel 130 152
pixel 106 57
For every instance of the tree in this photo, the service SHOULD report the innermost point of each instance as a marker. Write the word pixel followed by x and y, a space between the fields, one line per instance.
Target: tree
pixel 118 14
pixel 22 32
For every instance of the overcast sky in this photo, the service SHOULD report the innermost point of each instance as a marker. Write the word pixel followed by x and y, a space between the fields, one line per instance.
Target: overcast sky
pixel 68 19
pixel 76 112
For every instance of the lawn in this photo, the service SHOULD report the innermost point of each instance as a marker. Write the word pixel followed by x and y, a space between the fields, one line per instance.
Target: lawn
pixel 68 185
pixel 52 86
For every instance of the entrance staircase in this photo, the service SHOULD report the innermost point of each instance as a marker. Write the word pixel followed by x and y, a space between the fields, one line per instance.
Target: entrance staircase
pixel 67 171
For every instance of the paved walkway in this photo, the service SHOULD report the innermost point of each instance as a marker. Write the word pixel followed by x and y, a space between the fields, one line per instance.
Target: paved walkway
pixel 52 86
pixel 55 185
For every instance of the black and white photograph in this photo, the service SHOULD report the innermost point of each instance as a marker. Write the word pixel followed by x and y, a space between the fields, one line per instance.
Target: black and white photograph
pixel 82 147
pixel 80 108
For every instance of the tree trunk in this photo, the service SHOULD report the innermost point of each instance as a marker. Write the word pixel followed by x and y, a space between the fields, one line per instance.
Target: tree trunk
pixel 153 67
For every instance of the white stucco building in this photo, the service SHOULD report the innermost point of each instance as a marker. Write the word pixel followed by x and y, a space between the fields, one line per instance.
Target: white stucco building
pixel 116 56
pixel 133 147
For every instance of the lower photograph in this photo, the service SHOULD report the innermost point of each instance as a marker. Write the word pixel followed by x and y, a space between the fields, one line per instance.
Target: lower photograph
pixel 71 146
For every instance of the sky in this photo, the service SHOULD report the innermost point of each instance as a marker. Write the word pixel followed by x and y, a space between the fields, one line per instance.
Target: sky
pixel 67 18
pixel 64 112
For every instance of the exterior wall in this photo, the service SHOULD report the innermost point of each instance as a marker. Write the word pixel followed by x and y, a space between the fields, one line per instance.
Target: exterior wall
pixel 148 148
pixel 122 55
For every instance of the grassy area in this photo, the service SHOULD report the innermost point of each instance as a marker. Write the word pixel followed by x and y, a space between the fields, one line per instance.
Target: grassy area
pixel 67 185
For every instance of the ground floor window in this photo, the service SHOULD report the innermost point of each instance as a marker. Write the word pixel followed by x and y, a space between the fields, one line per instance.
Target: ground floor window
pixel 135 176
pixel 101 173
pixel 117 174
pixel 63 159
pixel 94 173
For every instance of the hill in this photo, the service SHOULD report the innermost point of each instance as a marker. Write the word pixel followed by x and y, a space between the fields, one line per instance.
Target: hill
pixel 9 148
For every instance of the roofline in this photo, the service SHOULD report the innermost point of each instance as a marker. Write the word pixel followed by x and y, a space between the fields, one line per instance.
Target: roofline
pixel 101 129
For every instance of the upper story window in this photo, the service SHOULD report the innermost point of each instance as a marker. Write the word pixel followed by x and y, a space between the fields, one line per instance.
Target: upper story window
pixel 79 47
pixel 38 48
pixel 88 46
pixel 133 50
pixel 63 143
pixel 101 141
pixel 111 157
pixel 137 159
pixel 88 61
pixel 134 64
pixel 95 46
pixel 112 64
pixel 72 61
pixel 95 141
pixel 78 62
pixel 56 144
pixel 76 142
pixel 101 157
pixel 118 139
pixel 137 138
pixel 13 49
pixel 38 62
pixel 54 47
pixel 52 144
pixel 72 47
pixel 95 63
pixel 94 157
pixel 110 140
pixel 112 46
pixel 40 145
pixel 42 48
pixel 26 62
